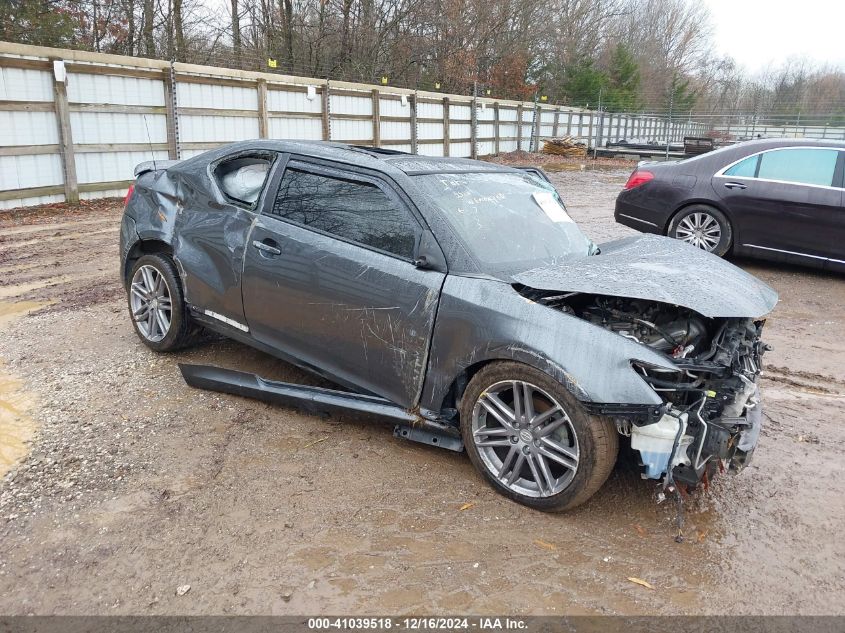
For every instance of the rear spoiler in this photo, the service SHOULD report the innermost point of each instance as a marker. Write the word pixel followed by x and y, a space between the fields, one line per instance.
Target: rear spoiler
pixel 153 165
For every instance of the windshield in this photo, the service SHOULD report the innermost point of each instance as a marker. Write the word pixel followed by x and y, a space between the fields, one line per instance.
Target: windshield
pixel 507 220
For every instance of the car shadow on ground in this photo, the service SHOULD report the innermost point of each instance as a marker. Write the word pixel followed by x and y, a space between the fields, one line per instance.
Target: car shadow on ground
pixel 625 485
pixel 763 267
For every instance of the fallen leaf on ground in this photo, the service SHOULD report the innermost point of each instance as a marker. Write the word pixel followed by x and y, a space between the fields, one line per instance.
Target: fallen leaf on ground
pixel 640 581
pixel 545 545
pixel 640 530
pixel 466 506
pixel 702 535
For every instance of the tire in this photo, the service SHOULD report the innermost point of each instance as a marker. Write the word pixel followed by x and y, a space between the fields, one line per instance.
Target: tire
pixel 704 227
pixel 495 450
pixel 175 330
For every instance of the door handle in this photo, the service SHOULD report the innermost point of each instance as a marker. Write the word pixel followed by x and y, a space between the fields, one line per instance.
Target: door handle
pixel 267 246
pixel 735 185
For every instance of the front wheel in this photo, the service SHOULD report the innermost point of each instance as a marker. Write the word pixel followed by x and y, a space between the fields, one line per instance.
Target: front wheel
pixel 532 440
pixel 157 305
pixel 703 227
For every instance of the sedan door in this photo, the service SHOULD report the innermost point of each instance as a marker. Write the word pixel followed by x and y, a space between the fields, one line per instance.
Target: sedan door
pixel 330 280
pixel 786 203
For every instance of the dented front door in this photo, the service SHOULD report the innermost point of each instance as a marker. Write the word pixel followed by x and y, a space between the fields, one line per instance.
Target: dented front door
pixel 355 312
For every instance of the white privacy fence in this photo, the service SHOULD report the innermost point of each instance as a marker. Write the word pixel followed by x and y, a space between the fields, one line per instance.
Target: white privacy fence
pixel 74 124
pixel 747 128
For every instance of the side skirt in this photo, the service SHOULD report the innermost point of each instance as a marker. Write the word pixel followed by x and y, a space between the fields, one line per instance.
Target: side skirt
pixel 319 400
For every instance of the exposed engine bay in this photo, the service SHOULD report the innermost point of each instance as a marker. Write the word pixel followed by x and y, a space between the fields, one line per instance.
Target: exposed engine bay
pixel 712 414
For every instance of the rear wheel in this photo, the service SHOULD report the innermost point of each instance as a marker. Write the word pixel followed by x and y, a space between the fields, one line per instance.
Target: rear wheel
pixel 157 305
pixel 532 440
pixel 703 227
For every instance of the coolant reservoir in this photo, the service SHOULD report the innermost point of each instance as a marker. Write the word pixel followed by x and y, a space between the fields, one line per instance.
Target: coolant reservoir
pixel 655 442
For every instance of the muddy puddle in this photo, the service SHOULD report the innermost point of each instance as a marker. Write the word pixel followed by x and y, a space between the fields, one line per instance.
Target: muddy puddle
pixel 17 426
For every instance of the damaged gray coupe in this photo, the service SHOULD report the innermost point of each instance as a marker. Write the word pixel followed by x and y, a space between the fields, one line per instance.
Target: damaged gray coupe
pixel 458 300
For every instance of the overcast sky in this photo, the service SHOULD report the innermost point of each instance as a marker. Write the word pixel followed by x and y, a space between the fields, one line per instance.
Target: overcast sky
pixel 758 33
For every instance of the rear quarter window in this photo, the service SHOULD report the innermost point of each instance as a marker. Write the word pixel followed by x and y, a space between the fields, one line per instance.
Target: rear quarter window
pixel 241 179
pixel 745 168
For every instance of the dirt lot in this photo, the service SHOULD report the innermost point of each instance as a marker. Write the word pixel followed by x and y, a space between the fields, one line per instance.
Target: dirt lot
pixel 132 484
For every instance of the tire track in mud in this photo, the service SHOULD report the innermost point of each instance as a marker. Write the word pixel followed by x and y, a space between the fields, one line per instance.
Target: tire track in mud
pixel 44 267
pixel 64 264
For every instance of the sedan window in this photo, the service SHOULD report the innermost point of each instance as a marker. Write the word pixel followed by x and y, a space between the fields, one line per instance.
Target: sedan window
pixel 745 168
pixel 802 165
pixel 350 209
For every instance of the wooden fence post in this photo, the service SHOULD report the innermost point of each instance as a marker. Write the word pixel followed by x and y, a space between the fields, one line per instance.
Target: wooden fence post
pixel 497 135
pixel 446 126
pixel 473 128
pixel 376 118
pixel 327 121
pixel 556 123
pixel 535 132
pixel 263 121
pixel 413 99
pixel 65 133
pixel 519 127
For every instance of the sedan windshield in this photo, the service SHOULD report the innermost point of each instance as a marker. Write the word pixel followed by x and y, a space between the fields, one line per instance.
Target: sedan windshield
pixel 507 220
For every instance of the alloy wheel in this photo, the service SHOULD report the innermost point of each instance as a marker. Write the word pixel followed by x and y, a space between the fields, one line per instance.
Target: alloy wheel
pixel 525 438
pixel 151 303
pixel 701 230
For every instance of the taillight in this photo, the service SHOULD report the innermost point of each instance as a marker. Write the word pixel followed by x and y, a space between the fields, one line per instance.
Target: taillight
pixel 638 178
pixel 129 193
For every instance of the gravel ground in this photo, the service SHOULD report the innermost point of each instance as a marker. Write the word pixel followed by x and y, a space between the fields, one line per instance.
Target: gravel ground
pixel 124 486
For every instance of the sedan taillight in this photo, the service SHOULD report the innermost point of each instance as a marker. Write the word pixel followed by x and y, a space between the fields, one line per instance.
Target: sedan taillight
pixel 638 178
pixel 129 193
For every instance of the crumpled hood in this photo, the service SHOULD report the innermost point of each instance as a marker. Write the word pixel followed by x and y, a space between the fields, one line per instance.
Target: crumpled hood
pixel 659 269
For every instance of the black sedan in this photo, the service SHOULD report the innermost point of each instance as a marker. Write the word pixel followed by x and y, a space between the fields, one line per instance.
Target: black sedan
pixel 457 299
pixel 778 199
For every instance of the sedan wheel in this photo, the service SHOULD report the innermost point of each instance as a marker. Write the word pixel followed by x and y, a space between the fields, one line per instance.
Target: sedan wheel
pixel 532 440
pixel 151 303
pixel 701 230
pixel 703 227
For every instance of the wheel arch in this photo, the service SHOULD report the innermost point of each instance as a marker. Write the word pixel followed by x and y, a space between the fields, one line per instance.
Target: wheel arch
pixel 139 249
pixel 457 387
pixel 703 202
